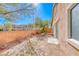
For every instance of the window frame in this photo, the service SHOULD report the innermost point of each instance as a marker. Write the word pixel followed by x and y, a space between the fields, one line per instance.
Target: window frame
pixel 71 41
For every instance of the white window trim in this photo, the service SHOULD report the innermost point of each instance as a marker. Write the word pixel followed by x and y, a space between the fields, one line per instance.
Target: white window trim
pixel 74 43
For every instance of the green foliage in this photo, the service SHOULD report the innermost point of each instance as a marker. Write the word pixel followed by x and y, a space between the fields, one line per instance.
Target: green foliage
pixel 12 4
pixel 3 7
pixel 1 28
pixel 45 23
pixel 8 26
pixel 40 23
pixel 43 29
pixel 3 10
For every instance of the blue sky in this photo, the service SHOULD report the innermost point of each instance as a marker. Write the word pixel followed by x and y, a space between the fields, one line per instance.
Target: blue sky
pixel 44 11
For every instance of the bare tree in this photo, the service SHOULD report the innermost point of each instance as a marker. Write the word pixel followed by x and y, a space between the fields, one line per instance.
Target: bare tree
pixel 14 11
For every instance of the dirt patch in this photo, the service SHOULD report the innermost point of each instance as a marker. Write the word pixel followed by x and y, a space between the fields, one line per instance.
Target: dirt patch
pixel 32 46
pixel 12 38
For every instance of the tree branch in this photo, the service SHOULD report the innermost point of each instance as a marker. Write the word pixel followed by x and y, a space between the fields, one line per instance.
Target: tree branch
pixel 16 11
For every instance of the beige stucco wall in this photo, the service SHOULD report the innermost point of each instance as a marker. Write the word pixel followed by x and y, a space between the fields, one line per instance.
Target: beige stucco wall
pixel 61 13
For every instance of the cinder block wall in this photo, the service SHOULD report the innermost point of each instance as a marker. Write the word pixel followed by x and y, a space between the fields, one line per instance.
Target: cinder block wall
pixel 61 13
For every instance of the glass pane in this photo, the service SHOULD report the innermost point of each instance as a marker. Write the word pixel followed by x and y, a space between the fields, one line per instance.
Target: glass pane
pixel 75 22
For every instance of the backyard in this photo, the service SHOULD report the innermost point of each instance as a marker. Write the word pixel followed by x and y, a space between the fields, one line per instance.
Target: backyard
pixel 24 31
pixel 27 43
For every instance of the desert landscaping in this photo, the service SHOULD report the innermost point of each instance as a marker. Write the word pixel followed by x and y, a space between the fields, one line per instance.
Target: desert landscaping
pixel 28 44
pixel 27 30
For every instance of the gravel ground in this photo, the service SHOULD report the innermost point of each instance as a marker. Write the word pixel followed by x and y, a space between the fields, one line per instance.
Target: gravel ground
pixel 26 48
pixel 35 46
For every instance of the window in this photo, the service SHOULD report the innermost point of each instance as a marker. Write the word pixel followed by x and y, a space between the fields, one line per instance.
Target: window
pixel 74 28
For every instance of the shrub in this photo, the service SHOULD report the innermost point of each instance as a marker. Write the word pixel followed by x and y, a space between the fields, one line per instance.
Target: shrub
pixel 43 29
pixel 8 26
pixel 1 29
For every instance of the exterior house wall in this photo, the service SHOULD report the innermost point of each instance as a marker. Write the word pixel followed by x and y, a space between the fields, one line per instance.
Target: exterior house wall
pixel 61 13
